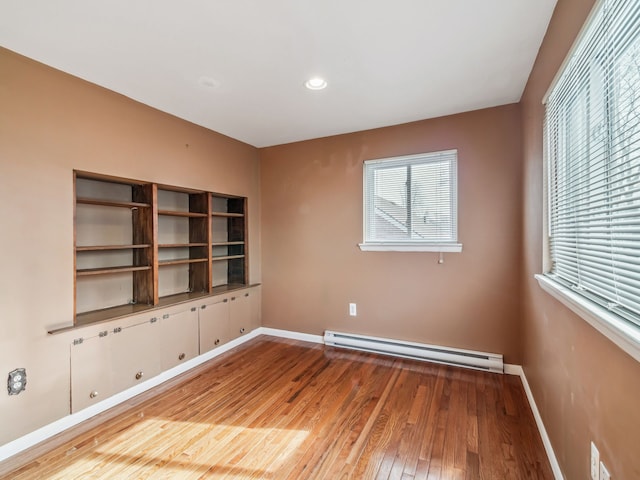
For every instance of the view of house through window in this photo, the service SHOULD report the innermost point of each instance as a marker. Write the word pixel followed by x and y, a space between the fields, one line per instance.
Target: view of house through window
pixel 411 199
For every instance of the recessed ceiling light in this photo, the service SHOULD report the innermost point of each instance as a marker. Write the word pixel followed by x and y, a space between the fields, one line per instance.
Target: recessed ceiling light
pixel 316 83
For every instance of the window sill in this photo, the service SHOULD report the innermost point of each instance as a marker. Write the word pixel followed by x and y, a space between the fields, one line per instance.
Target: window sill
pixel 411 247
pixel 624 335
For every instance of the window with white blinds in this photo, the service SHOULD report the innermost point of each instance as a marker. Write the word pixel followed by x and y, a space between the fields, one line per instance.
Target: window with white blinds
pixel 410 203
pixel 592 145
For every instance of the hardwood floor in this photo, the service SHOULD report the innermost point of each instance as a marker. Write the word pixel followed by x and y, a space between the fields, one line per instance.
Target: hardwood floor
pixel 283 409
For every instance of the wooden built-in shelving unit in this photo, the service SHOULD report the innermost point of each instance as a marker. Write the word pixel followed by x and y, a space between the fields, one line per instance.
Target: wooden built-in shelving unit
pixel 141 245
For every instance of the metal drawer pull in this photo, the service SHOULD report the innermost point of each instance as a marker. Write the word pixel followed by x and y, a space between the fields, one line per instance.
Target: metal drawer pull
pixel 246 294
pixel 93 394
pixel 242 330
pixel 217 342
pixel 139 375
pixel 181 356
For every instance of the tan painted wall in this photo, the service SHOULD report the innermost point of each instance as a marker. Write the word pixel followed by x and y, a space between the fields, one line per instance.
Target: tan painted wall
pixel 50 124
pixel 585 387
pixel 312 223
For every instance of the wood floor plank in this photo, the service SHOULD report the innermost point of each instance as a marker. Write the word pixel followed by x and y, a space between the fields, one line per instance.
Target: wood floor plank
pixel 283 409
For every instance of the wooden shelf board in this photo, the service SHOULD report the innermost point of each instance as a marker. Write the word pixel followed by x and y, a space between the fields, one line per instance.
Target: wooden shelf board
pixel 227 257
pixel 94 248
pixel 173 188
pixel 181 245
pixel 95 316
pixel 176 213
pixel 106 270
pixel 181 261
pixel 228 288
pixel 108 178
pixel 179 298
pixel 224 244
pixel 113 313
pixel 111 203
pixel 226 214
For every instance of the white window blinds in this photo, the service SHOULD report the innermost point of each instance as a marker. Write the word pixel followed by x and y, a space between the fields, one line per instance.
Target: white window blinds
pixel 411 200
pixel 592 143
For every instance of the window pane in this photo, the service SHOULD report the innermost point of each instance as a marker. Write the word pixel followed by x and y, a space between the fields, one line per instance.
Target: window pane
pixel 431 202
pixel 390 201
pixel 411 199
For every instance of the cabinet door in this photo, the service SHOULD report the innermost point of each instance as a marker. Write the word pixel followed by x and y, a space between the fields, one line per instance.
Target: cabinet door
pixel 255 299
pixel 90 372
pixel 214 324
pixel 135 355
pixel 239 314
pixel 178 337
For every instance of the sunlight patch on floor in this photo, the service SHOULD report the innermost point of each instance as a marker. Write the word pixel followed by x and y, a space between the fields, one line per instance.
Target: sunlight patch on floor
pixel 161 448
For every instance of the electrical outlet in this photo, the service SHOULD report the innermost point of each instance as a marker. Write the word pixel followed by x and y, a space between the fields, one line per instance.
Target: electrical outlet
pixel 595 462
pixel 604 473
pixel 17 381
pixel 352 309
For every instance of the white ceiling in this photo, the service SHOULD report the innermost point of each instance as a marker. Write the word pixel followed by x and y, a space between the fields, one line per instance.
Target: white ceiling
pixel 387 62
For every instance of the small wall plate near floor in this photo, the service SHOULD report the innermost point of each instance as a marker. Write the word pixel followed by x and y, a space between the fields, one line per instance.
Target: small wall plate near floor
pixel 17 381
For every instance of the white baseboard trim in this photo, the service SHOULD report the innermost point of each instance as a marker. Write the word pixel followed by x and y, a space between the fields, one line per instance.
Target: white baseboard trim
pixel 555 466
pixel 305 337
pixel 58 426
pixel 511 369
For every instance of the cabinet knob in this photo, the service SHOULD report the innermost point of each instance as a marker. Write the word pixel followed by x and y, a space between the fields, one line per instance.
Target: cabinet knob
pixel 217 342
pixel 193 309
pixel 181 356
pixel 246 294
pixel 139 375
pixel 93 394
pixel 242 330
pixel 233 298
pixel 203 307
pixel 226 300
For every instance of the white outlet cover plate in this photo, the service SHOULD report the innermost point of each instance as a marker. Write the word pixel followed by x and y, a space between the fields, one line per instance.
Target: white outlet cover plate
pixel 604 473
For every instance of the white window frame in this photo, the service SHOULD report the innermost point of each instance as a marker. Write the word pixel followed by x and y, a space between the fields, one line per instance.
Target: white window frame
pixel 621 332
pixel 409 245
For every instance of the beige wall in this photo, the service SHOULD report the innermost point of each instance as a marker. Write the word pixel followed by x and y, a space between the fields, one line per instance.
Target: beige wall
pixel 585 387
pixel 52 123
pixel 312 223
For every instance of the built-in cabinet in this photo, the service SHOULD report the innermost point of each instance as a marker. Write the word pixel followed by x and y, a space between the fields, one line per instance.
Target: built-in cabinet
pixel 160 278
pixel 112 360
pixel 140 245
pixel 178 336
pixel 214 323
pixel 228 317
pixel 116 355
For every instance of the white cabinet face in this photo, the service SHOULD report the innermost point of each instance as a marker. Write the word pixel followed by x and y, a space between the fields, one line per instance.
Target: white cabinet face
pixel 178 338
pixel 135 355
pixel 239 314
pixel 214 325
pixel 255 299
pixel 90 372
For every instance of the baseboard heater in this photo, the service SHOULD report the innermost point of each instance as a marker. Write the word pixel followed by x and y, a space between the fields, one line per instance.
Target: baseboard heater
pixel 489 362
